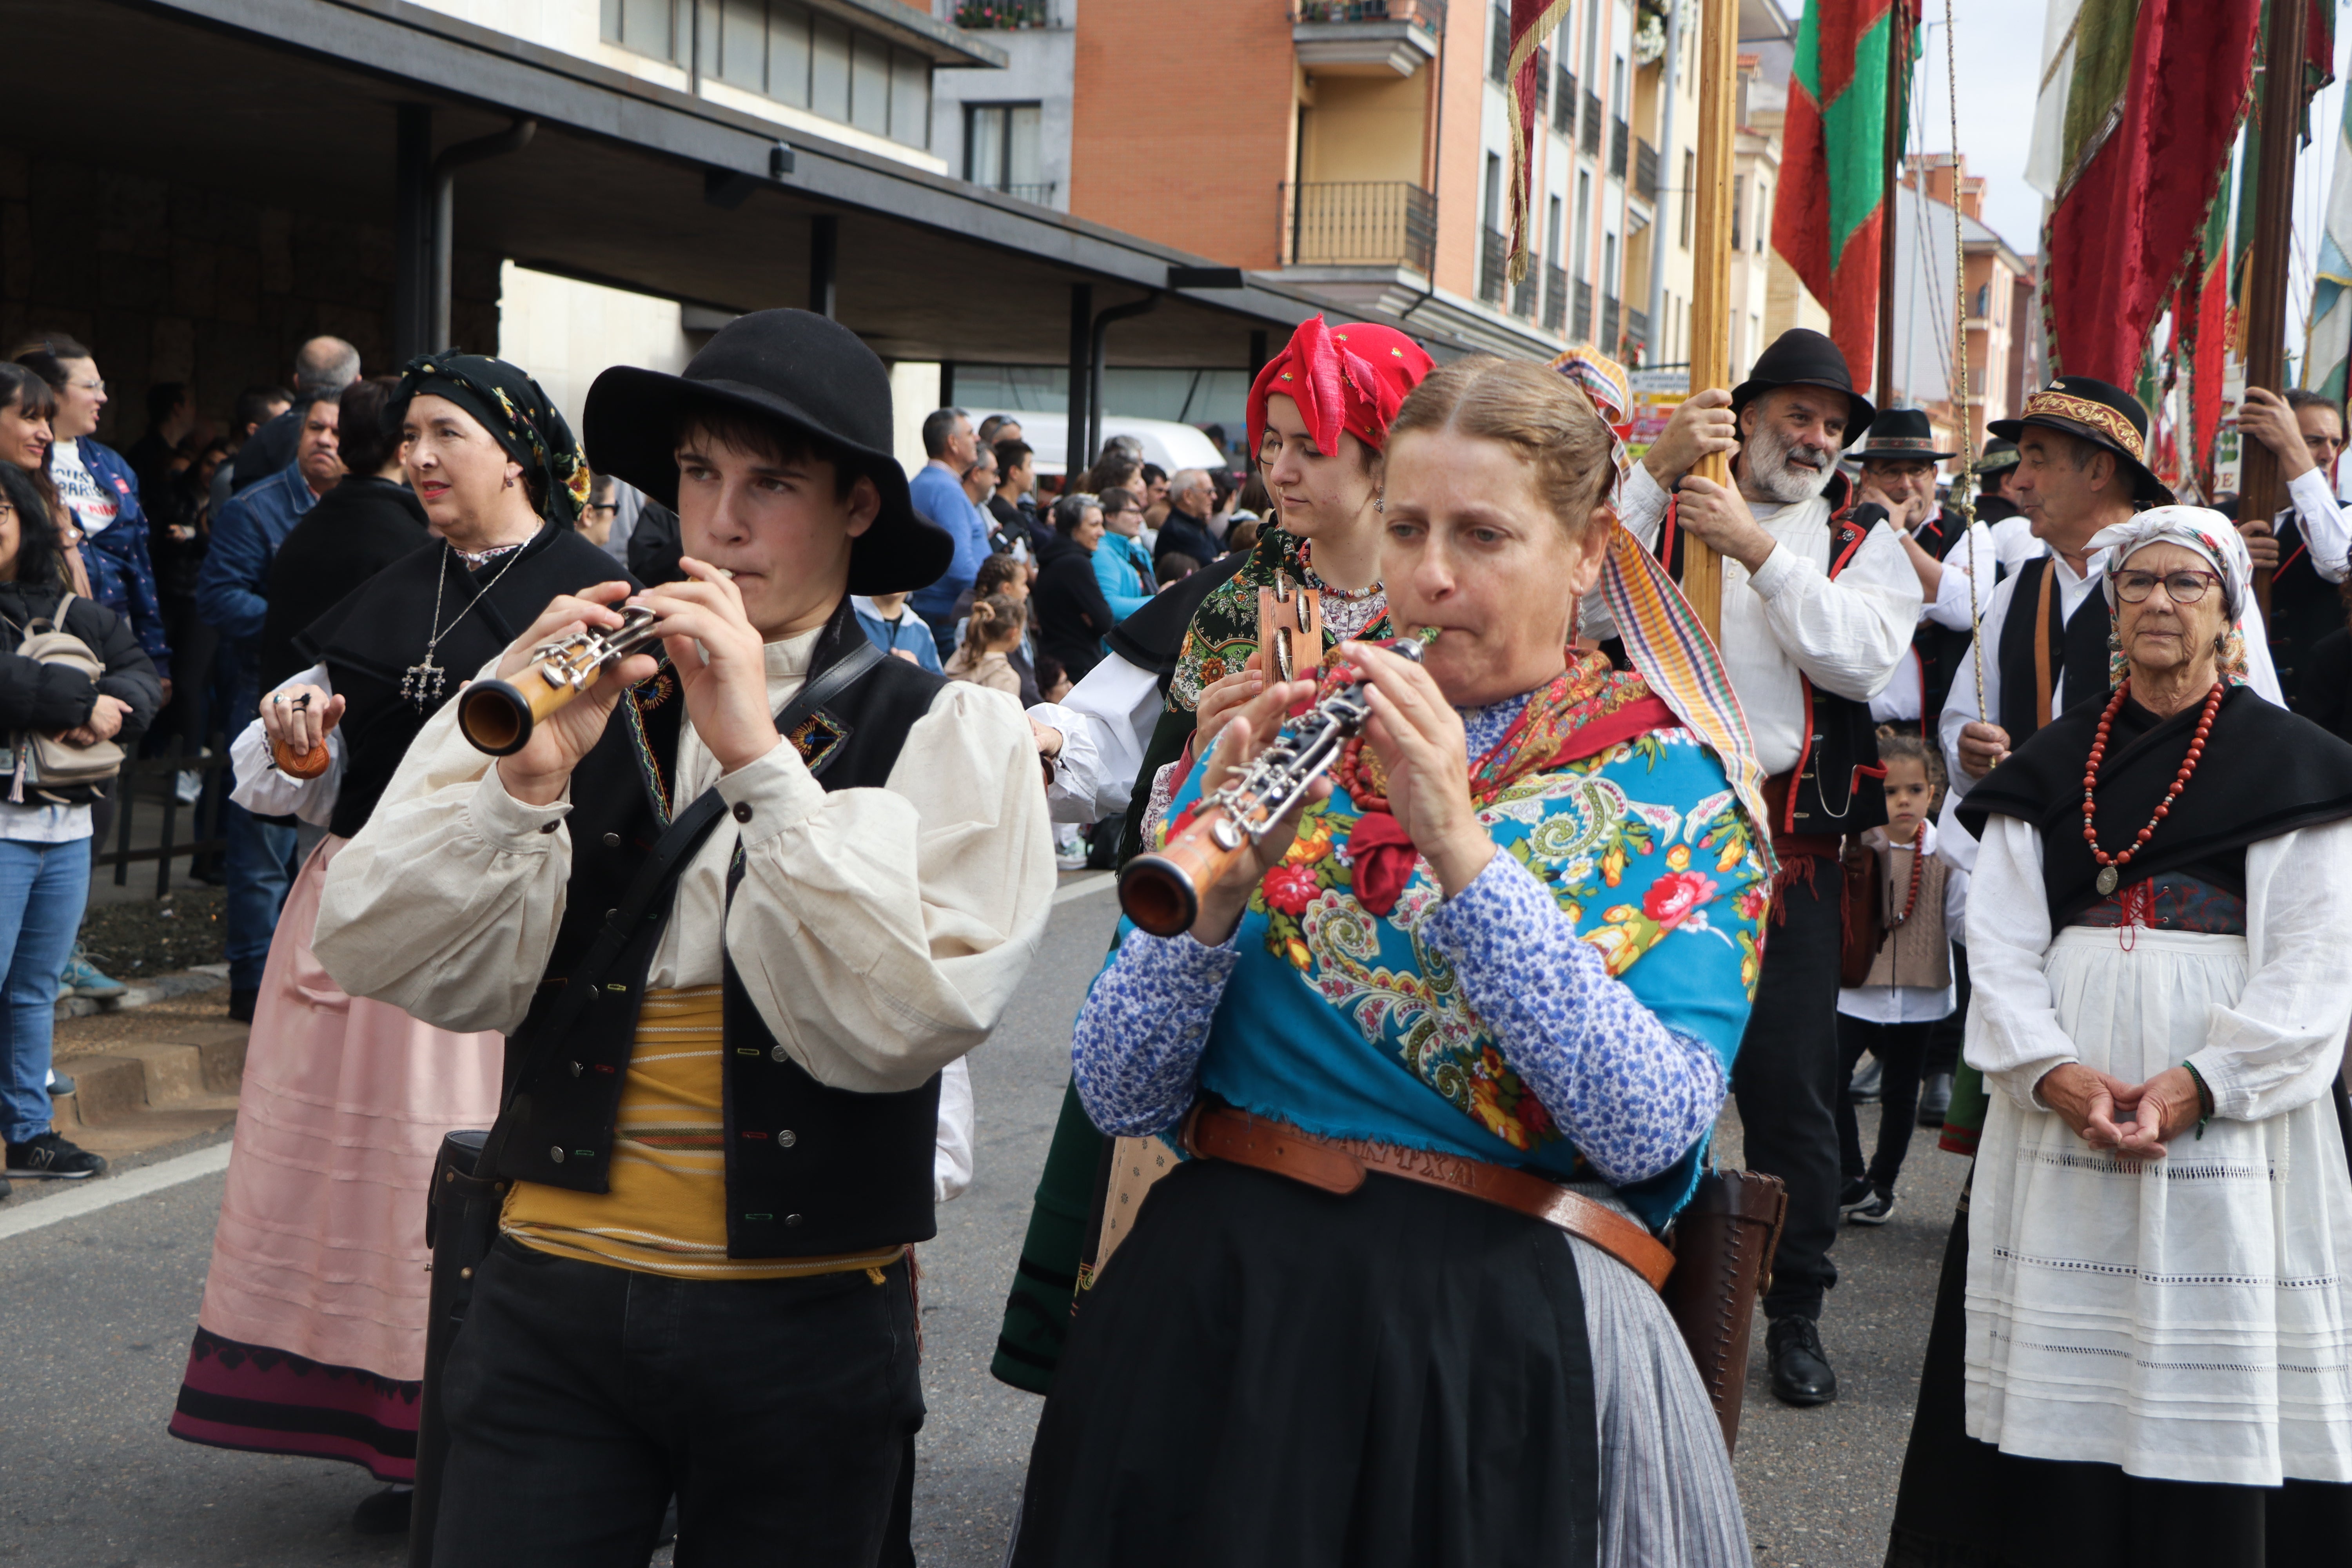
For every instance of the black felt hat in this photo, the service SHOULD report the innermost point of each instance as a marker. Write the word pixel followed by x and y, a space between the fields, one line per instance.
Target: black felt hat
pixel 1802 357
pixel 1999 454
pixel 809 375
pixel 1901 435
pixel 2100 413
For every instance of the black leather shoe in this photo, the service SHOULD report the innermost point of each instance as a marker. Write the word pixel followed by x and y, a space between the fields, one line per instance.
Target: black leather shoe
pixel 1801 1373
pixel 384 1512
pixel 1935 1098
pixel 1863 1090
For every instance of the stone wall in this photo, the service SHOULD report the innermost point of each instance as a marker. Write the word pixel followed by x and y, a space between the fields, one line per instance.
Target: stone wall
pixel 167 281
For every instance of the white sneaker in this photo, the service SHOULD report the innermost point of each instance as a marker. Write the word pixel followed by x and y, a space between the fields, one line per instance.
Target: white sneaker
pixel 1069 848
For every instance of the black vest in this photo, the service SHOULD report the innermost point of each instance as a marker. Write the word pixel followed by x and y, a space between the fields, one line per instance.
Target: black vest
pixel 2078 651
pixel 811 1169
pixel 1836 788
pixel 2305 606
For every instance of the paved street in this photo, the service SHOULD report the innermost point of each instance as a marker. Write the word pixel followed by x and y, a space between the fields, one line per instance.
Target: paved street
pixel 99 1309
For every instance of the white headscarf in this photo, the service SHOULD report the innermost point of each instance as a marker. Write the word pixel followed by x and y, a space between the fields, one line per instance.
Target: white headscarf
pixel 2209 535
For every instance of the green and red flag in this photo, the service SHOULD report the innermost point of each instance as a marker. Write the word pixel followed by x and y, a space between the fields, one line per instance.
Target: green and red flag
pixel 2140 103
pixel 1831 208
pixel 2200 327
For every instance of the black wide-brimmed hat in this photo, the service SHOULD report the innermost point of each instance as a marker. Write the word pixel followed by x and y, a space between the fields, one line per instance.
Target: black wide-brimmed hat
pixel 1902 434
pixel 811 376
pixel 1999 454
pixel 2100 413
pixel 1802 357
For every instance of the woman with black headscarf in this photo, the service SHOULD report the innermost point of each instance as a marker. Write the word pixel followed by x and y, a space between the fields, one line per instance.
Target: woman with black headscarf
pixel 312 1336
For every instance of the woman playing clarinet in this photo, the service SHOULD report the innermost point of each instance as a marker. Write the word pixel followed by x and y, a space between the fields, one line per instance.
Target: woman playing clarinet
pixel 1498 969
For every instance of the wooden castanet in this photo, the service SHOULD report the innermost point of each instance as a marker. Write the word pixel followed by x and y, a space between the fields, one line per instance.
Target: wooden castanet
pixel 307 764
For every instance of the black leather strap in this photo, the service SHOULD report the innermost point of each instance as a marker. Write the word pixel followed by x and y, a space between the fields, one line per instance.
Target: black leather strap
pixel 647 901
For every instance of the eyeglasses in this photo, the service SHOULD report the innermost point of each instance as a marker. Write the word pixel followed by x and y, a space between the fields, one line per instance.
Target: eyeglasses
pixel 88 386
pixel 2181 587
pixel 603 506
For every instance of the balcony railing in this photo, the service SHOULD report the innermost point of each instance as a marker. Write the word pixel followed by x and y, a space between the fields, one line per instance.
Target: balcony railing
pixel 982 16
pixel 1043 195
pixel 1609 345
pixel 1582 331
pixel 1526 295
pixel 1493 251
pixel 1619 134
pixel 1591 123
pixel 1543 81
pixel 1637 334
pixel 1563 112
pixel 1645 171
pixel 1555 310
pixel 1430 13
pixel 1360 223
pixel 1498 47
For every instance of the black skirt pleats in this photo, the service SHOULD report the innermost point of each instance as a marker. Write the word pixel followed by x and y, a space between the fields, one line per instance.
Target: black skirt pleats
pixel 1267 1374
pixel 1966 1504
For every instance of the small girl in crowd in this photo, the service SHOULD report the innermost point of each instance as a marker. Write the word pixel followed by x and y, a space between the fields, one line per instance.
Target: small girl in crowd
pixel 1891 1015
pixel 993 632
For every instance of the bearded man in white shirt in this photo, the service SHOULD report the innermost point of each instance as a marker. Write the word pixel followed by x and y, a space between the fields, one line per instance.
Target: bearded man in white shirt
pixel 732 971
pixel 1819 601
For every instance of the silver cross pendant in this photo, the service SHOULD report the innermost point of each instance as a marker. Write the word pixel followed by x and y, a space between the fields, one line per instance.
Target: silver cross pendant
pixel 421 684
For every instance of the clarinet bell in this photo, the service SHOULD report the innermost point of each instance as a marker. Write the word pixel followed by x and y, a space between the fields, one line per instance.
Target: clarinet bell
pixel 1159 895
pixel 498 716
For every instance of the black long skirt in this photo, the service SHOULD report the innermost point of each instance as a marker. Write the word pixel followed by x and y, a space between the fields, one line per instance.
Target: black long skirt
pixel 1270 1374
pixel 1966 1504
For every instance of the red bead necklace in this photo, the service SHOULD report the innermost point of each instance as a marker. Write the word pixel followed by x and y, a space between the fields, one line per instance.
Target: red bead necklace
pixel 2111 865
pixel 1911 902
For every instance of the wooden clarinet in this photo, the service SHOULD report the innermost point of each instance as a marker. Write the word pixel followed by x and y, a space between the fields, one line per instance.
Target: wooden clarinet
pixel 1161 892
pixel 498 716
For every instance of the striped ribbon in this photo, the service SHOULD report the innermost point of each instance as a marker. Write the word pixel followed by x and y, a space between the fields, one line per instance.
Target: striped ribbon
pixel 1661 632
pixel 1680 661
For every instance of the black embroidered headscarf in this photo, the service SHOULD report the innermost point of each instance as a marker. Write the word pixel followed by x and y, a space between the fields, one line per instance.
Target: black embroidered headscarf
pixel 508 403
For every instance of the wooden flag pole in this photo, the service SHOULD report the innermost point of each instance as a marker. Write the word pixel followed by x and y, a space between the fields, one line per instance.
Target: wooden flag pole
pixel 1898 60
pixel 1710 307
pixel 2260 493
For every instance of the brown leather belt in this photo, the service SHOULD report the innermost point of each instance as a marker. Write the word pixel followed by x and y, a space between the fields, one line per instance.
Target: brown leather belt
pixel 1340 1165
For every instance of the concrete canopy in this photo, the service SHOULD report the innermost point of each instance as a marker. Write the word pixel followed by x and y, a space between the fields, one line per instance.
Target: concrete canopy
pixel 297 101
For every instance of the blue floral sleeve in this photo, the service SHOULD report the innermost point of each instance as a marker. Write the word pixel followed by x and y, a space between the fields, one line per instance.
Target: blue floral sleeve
pixel 1632 1093
pixel 1136 1049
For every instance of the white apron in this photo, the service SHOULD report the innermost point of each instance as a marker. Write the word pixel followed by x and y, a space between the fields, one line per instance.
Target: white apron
pixel 2189 1318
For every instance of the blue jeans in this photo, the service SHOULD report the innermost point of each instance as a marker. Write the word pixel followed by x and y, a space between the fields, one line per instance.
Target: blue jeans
pixel 42 887
pixel 261 865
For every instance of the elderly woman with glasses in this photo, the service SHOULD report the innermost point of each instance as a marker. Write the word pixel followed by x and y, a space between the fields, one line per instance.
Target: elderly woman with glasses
pixel 2158 1339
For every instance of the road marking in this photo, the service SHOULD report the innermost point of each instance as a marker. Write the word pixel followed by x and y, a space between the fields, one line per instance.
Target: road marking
pixel 1083 886
pixel 105 1192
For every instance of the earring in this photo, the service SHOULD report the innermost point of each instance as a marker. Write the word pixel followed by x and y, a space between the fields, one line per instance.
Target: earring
pixel 1379 500
pixel 509 481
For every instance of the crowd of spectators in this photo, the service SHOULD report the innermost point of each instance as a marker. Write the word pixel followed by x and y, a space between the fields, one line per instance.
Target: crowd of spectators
pixel 1045 565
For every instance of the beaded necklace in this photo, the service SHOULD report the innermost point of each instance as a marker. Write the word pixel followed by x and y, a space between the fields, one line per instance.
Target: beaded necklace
pixel 1306 559
pixel 2111 865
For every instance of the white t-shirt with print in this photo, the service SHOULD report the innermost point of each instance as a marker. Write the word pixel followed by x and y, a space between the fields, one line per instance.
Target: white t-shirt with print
pixel 95 504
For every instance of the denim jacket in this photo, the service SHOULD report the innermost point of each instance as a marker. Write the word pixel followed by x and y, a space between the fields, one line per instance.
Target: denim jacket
pixel 232 589
pixel 122 573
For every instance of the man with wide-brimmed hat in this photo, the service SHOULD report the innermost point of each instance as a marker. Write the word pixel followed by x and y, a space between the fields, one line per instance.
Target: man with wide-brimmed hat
pixel 1818 607
pixel 2082 466
pixel 736 908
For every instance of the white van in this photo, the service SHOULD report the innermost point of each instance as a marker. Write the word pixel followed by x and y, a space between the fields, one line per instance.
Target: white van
pixel 1165 442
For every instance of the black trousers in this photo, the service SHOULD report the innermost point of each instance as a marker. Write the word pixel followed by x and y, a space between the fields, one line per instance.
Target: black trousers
pixel 1900 1049
pixel 580 1397
pixel 1786 1079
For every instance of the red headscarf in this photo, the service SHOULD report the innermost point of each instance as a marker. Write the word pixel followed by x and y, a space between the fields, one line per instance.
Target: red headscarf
pixel 1352 378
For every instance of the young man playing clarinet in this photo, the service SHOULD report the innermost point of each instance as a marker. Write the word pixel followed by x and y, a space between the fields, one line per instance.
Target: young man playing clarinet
pixel 735 910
